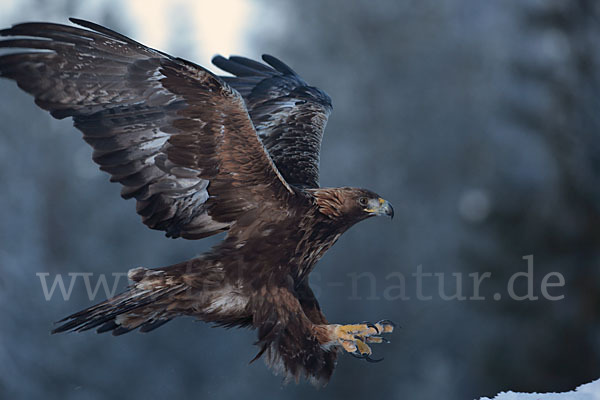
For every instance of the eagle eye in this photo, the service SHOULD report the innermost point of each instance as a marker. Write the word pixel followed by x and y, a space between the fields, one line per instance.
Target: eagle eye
pixel 363 201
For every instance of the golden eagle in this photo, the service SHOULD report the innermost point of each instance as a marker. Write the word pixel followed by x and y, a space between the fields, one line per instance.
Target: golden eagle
pixel 204 154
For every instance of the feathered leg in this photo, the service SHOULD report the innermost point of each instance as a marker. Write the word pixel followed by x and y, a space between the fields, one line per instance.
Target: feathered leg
pixel 296 339
pixel 287 339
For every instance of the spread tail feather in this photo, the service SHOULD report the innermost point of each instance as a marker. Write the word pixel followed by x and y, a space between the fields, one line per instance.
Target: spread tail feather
pixel 143 305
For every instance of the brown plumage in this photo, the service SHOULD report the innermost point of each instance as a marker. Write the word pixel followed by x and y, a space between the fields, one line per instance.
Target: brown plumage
pixel 203 154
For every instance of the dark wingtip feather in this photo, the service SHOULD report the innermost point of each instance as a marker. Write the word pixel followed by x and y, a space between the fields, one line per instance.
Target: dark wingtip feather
pixel 217 58
pixel 220 62
pixel 99 28
pixel 10 31
pixel 113 34
pixel 278 65
pixel 68 326
pixel 78 21
pixel 107 326
pixel 120 330
pixel 91 25
pixel 240 66
pixel 150 326
pixel 255 65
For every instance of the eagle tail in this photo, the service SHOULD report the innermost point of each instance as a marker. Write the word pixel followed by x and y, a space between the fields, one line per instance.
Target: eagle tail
pixel 145 305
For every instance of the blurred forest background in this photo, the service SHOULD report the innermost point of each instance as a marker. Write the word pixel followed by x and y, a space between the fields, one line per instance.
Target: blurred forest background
pixel 479 121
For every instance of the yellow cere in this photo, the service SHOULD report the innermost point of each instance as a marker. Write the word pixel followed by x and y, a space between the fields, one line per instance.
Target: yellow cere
pixel 381 201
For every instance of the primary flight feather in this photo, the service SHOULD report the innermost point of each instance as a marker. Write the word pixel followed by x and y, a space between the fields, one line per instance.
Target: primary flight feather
pixel 203 154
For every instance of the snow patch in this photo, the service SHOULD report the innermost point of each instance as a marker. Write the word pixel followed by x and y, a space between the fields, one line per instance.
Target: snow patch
pixel 589 391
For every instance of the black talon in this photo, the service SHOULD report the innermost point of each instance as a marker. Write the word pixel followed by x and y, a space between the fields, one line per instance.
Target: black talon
pixel 373 360
pixel 371 325
pixel 384 340
pixel 361 356
pixel 388 322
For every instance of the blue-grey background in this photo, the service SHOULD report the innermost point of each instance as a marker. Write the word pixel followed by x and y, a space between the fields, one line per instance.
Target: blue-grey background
pixel 479 120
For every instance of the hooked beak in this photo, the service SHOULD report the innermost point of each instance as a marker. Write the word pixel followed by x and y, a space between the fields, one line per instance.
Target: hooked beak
pixel 381 207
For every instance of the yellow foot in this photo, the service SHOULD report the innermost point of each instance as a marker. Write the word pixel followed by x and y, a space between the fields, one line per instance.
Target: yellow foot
pixel 354 338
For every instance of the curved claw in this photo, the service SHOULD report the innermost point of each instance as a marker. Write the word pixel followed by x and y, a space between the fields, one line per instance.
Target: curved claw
pixel 388 322
pixel 373 360
pixel 366 357
pixel 384 340
pixel 371 325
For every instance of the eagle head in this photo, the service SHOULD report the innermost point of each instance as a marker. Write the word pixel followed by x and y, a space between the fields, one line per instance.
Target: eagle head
pixel 351 204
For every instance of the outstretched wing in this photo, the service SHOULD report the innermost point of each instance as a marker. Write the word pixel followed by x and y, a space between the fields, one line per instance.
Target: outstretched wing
pixel 288 115
pixel 177 137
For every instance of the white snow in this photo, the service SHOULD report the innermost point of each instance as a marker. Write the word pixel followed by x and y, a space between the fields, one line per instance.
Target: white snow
pixel 589 391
